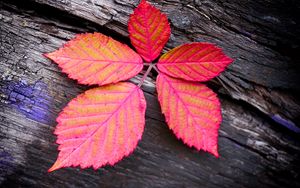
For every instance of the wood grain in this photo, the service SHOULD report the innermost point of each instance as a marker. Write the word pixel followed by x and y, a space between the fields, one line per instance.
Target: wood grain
pixel 259 95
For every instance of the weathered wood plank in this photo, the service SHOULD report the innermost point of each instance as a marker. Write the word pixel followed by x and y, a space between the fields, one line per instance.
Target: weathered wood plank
pixel 255 151
pixel 261 36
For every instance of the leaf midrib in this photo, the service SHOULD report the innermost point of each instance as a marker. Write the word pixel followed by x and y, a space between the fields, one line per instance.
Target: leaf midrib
pixel 96 60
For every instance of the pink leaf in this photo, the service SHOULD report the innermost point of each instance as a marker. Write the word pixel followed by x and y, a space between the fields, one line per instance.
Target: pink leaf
pixel 100 127
pixel 149 30
pixel 192 111
pixel 194 62
pixel 97 59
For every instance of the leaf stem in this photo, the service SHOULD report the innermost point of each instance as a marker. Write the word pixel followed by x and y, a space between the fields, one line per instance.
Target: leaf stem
pixel 146 74
pixel 156 69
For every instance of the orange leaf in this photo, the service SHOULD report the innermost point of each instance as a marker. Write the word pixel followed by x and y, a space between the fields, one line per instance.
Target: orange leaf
pixel 149 30
pixel 194 62
pixel 192 111
pixel 100 126
pixel 97 59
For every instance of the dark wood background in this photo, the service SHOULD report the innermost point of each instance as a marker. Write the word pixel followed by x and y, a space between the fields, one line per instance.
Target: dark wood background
pixel 259 139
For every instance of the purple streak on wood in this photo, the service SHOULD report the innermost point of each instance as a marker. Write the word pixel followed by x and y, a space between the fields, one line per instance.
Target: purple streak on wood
pixel 31 100
pixel 288 124
pixel 6 164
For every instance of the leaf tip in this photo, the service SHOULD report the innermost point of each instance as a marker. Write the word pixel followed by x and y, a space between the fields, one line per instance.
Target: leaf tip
pixel 215 152
pixel 47 55
pixel 230 60
pixel 143 2
pixel 54 167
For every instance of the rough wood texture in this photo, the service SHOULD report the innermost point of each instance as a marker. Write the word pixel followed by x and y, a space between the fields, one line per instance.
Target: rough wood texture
pixel 259 137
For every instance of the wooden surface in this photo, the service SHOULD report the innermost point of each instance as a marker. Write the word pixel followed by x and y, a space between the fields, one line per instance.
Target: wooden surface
pixel 259 139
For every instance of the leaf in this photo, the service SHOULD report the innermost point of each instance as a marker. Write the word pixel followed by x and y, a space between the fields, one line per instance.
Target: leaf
pixel 192 111
pixel 149 30
pixel 194 62
pixel 97 59
pixel 100 127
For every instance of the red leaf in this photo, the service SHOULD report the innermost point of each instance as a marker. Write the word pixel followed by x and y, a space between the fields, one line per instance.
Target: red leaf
pixel 97 59
pixel 100 126
pixel 192 111
pixel 149 30
pixel 194 62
